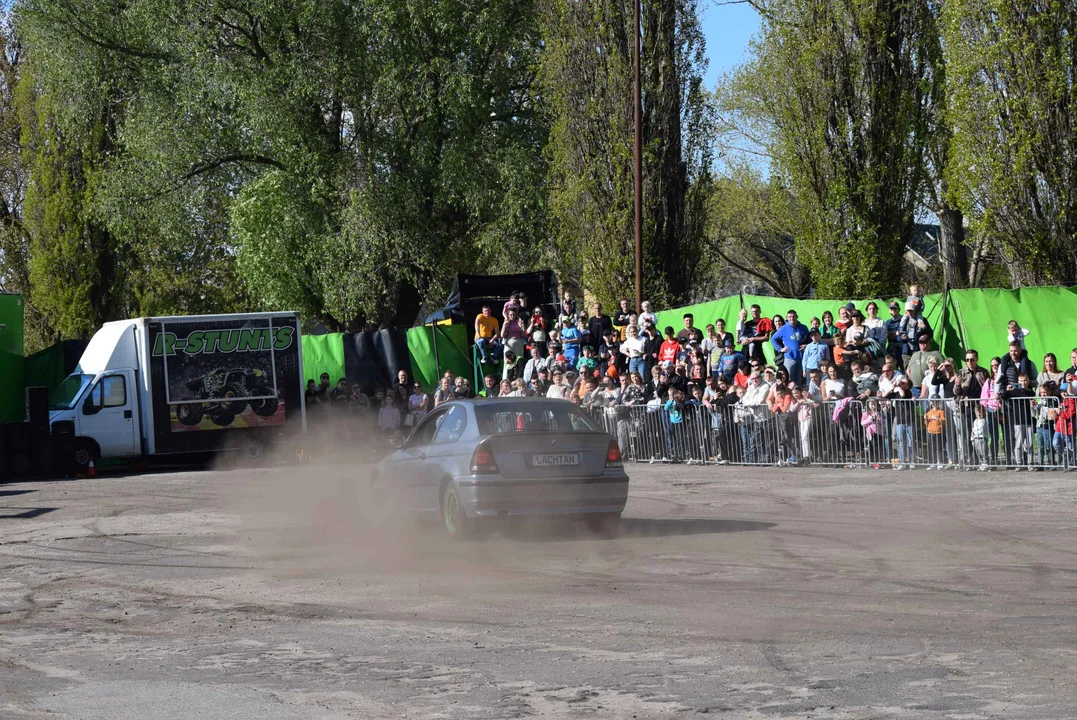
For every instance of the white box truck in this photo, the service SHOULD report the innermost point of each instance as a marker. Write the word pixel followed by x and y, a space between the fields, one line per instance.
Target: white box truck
pixel 182 385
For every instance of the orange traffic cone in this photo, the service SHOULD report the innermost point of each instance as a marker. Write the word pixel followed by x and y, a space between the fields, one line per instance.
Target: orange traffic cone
pixel 92 471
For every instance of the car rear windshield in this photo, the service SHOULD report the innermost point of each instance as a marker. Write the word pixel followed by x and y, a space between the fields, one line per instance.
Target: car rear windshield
pixel 531 416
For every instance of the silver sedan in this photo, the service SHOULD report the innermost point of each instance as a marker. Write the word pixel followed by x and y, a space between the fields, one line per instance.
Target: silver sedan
pixel 500 457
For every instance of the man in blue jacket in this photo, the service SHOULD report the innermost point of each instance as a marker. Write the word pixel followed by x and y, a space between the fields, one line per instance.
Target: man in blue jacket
pixel 790 339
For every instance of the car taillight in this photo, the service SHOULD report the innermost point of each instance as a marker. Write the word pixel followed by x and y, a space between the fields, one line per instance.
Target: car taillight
pixel 613 455
pixel 482 460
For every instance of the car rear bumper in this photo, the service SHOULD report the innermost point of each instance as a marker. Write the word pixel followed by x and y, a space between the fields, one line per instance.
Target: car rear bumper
pixel 493 496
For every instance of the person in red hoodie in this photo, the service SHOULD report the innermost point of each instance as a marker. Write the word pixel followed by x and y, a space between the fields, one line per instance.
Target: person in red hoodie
pixel 667 353
pixel 1063 440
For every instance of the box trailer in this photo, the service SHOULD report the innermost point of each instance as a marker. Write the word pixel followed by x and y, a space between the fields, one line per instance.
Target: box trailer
pixel 180 385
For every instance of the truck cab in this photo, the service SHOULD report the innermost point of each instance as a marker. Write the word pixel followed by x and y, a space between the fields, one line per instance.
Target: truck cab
pixel 98 404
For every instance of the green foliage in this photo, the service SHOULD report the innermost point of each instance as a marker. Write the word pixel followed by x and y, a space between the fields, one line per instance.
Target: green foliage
pixel 587 80
pixel 342 158
pixel 752 222
pixel 1013 160
pixel 835 92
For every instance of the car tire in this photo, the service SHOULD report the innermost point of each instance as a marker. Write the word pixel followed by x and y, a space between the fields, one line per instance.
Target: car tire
pixel 457 524
pixel 604 524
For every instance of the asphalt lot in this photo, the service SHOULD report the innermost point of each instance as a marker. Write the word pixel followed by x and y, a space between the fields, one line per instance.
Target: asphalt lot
pixel 732 592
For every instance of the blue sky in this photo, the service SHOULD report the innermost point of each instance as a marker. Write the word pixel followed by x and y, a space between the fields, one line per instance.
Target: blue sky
pixel 728 28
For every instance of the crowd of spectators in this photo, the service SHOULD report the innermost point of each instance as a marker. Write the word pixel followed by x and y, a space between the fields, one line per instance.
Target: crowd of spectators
pixel 906 402
pixel 601 361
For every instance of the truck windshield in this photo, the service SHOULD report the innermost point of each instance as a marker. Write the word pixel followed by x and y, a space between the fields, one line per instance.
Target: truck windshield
pixel 65 396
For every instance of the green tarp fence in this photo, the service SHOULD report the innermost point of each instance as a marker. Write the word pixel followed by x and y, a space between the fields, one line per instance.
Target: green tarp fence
pixel 323 353
pixel 12 397
pixel 453 352
pixel 46 368
pixel 959 319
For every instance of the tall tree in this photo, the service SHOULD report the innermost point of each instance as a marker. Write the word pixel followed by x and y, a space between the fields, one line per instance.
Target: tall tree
pixel 587 80
pixel 840 90
pixel 350 156
pixel 752 225
pixel 1013 79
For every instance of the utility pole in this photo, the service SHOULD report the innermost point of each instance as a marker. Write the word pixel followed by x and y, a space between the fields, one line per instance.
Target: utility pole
pixel 638 108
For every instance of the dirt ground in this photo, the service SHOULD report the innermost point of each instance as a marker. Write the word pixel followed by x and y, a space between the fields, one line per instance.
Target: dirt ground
pixel 733 592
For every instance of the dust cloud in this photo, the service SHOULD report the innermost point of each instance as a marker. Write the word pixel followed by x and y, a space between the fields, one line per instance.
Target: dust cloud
pixel 319 519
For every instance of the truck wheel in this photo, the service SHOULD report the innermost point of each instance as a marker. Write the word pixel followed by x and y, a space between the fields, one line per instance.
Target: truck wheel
pixel 235 406
pixel 223 418
pixel 80 459
pixel 267 407
pixel 190 413
pixel 252 450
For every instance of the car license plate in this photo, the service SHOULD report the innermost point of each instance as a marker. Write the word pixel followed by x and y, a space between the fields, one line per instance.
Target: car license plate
pixel 555 460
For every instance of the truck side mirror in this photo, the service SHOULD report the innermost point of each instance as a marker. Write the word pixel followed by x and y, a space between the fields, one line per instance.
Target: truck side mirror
pixel 88 407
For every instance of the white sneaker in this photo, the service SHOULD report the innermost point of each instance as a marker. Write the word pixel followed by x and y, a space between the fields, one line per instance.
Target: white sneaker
pixel 932 467
pixel 900 467
pixel 983 468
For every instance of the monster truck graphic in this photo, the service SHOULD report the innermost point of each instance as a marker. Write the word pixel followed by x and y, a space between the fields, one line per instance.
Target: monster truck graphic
pixel 224 391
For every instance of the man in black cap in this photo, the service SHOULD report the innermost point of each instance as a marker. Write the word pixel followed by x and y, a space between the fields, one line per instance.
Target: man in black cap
pixel 894 344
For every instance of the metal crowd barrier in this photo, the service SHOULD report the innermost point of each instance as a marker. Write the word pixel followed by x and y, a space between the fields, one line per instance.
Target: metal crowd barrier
pixel 931 433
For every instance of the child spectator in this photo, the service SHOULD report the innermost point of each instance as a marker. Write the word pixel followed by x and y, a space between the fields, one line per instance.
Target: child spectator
pixel 633 348
pixel 1063 441
pixel 674 408
pixel 979 439
pixel 667 353
pixel 814 352
pixel 872 422
pixel 804 409
pixel 742 320
pixel 1018 408
pixel 725 363
pixel 512 368
pixel 1016 333
pixel 935 420
pixel 646 316
pixel 1045 412
pixel 388 415
pixel 621 320
pixel 587 364
pixel 572 341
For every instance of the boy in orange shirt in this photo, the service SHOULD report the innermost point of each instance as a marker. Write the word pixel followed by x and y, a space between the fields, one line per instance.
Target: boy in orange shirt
pixel 935 419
